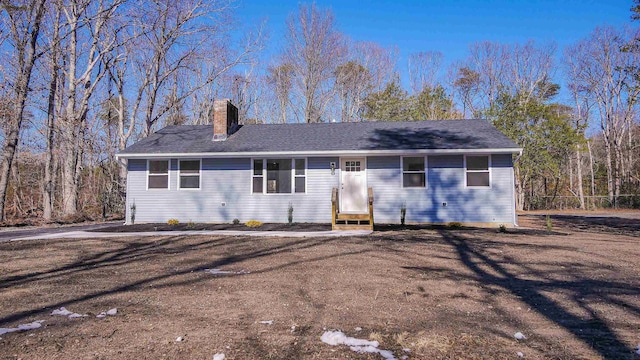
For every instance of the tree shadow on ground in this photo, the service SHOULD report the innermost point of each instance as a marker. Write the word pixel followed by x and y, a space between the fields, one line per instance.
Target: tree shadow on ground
pixel 440 227
pixel 492 272
pixel 133 251
pixel 608 224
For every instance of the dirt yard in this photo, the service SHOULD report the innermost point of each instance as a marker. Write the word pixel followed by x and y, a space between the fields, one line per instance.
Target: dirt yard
pixel 421 293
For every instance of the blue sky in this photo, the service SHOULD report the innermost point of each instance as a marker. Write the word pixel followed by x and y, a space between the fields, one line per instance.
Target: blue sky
pixel 448 26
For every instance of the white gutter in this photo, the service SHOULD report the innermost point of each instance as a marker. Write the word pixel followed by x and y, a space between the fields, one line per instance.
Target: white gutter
pixel 319 153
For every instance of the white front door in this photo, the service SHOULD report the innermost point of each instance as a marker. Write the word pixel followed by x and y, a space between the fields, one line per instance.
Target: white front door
pixel 353 185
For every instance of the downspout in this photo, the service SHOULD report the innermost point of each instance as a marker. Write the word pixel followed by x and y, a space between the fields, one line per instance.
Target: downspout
pixel 127 210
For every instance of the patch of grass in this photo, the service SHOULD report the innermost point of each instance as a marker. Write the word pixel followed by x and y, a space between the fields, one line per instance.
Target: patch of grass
pixel 236 221
pixel 549 224
pixel 454 225
pixel 253 223
pixel 173 222
pixel 502 228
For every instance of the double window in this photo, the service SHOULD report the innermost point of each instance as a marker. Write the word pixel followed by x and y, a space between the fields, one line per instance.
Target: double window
pixel 188 174
pixel 414 172
pixel 477 170
pixel 279 176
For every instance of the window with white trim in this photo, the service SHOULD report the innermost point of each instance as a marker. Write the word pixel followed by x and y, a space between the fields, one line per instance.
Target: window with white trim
pixel 477 171
pixel 158 174
pixel 189 174
pixel 300 181
pixel 258 177
pixel 279 176
pixel 414 172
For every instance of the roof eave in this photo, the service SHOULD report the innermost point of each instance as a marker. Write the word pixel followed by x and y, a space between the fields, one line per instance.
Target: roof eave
pixel 320 153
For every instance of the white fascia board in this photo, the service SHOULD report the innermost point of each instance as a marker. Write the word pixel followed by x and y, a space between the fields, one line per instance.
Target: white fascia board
pixel 319 153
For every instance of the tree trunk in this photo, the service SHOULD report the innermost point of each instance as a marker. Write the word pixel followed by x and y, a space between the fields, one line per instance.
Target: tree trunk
pixel 26 47
pixel 47 196
pixel 49 185
pixel 69 187
pixel 610 169
pixel 579 178
pixel 593 176
pixel 519 190
pixel 618 170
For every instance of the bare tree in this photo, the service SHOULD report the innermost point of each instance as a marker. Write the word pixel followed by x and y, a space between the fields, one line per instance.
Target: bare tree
pixel 168 56
pixel 574 70
pixel 613 91
pixel 54 104
pixel 378 60
pixel 529 69
pixel 488 60
pixel 280 79
pixel 314 48
pixel 467 86
pixel 243 87
pixel 87 43
pixel 424 69
pixel 23 19
pixel 492 69
pixel 353 82
pixel 366 68
pixel 175 38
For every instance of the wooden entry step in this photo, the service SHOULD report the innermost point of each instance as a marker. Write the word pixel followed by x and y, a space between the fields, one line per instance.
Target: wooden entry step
pixel 352 222
pixel 351 227
pixel 352 217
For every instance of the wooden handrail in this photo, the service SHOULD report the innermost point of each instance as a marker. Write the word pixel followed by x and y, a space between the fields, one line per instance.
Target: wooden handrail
pixel 370 194
pixel 334 207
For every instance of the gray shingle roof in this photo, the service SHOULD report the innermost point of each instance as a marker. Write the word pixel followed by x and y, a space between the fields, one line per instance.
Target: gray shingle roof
pixel 363 136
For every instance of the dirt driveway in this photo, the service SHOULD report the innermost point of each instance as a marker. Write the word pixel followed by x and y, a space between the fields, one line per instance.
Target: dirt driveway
pixel 422 294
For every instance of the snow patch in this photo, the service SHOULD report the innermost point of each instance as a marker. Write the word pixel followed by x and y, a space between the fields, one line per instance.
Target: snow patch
pixel 218 356
pixel 358 328
pixel 225 272
pixel 110 312
pixel 23 327
pixel 293 328
pixel 64 312
pixel 267 322
pixel 520 354
pixel 179 339
pixel 334 338
pixel 638 349
pixel 519 336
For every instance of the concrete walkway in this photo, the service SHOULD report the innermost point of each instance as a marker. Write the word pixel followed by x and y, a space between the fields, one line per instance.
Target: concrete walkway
pixel 8 234
pixel 90 235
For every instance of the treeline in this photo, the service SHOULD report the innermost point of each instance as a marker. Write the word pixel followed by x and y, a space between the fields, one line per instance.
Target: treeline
pixel 83 79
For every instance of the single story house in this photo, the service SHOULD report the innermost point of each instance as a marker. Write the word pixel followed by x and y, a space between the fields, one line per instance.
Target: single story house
pixel 344 173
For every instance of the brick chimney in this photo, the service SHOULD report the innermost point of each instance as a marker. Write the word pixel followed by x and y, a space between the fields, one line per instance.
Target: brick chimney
pixel 225 119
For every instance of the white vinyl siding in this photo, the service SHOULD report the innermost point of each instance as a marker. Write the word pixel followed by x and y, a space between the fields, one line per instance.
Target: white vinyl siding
pixel 225 192
pixel 446 198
